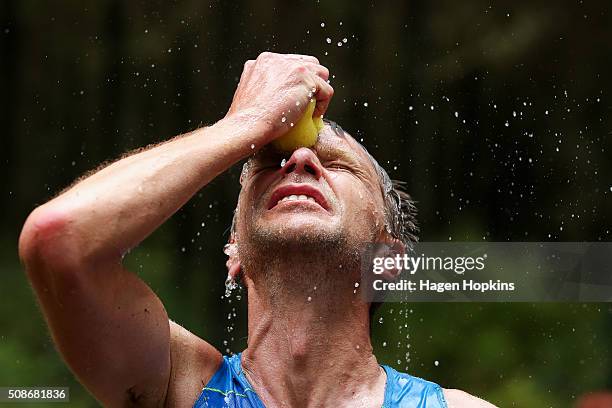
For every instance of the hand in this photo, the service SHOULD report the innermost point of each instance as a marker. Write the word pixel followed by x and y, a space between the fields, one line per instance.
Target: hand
pixel 275 89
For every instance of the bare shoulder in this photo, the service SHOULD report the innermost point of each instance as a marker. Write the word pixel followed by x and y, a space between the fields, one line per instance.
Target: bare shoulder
pixel 461 399
pixel 194 362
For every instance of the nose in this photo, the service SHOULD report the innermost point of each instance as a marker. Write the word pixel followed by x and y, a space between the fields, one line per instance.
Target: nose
pixel 303 161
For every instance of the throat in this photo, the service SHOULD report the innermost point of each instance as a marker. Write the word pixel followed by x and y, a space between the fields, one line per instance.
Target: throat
pixel 308 339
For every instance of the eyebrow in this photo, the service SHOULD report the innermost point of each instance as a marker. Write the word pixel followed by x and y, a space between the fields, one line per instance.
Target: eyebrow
pixel 329 150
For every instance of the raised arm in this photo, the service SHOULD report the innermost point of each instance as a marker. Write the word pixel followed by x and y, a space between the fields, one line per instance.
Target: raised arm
pixel 109 326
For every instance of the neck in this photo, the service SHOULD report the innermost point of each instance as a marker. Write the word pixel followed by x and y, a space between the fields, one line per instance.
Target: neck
pixel 309 341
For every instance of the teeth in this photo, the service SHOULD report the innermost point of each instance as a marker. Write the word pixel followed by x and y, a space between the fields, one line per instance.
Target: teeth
pixel 294 197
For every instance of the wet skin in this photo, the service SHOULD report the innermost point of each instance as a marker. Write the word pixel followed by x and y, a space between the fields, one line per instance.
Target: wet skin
pixel 336 172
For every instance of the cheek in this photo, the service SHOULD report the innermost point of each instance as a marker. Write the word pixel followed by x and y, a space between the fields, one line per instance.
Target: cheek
pixel 361 207
pixel 245 209
pixel 261 185
pixel 254 190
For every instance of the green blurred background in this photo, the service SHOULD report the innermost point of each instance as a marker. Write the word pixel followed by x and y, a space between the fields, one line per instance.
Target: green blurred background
pixel 495 113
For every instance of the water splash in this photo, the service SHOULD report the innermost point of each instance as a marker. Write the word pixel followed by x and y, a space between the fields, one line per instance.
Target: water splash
pixel 230 285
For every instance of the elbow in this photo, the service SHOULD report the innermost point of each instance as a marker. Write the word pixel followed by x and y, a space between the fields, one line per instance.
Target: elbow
pixel 48 245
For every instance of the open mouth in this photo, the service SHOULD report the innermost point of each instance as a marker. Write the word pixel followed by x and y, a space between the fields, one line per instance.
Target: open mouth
pixel 298 193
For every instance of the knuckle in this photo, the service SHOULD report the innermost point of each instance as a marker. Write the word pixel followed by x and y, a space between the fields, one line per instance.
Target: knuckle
pixel 299 70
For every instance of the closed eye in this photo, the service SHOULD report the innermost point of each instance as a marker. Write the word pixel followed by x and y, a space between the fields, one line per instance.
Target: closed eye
pixel 353 169
pixel 337 165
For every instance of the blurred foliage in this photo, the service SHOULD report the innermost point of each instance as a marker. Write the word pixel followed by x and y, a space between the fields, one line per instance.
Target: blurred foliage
pixel 495 113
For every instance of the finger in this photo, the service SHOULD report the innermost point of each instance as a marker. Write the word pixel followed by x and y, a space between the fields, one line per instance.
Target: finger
pixel 319 70
pixel 323 96
pixel 305 58
pixel 270 55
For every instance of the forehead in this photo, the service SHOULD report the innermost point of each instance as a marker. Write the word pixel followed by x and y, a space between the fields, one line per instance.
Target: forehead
pixel 333 137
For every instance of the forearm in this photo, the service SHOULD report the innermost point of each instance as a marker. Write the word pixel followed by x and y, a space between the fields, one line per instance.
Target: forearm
pixel 114 209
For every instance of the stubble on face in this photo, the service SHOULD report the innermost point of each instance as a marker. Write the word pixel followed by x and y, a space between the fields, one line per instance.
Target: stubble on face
pixel 306 248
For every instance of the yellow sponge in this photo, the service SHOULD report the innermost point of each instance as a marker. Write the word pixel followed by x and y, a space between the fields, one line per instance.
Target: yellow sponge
pixel 304 133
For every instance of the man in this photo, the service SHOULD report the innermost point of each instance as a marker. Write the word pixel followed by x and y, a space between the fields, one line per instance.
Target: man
pixel 294 243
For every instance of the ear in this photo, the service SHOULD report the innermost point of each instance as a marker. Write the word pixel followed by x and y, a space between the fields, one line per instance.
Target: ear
pixel 390 247
pixel 234 269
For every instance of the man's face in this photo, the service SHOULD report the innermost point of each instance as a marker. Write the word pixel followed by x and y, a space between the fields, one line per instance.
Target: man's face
pixel 319 196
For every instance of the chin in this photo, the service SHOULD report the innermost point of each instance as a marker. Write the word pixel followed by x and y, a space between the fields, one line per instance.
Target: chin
pixel 298 232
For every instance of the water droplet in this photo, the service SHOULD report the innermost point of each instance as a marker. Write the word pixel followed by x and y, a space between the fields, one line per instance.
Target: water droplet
pixel 339 43
pixel 365 104
pixel 283 162
pixel 381 320
pixel 356 284
pixel 309 298
pixel 252 146
pixel 328 40
pixel 436 363
pixel 283 119
pixel 230 284
pixel 322 24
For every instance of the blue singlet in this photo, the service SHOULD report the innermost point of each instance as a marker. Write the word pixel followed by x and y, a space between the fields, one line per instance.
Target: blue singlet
pixel 229 387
